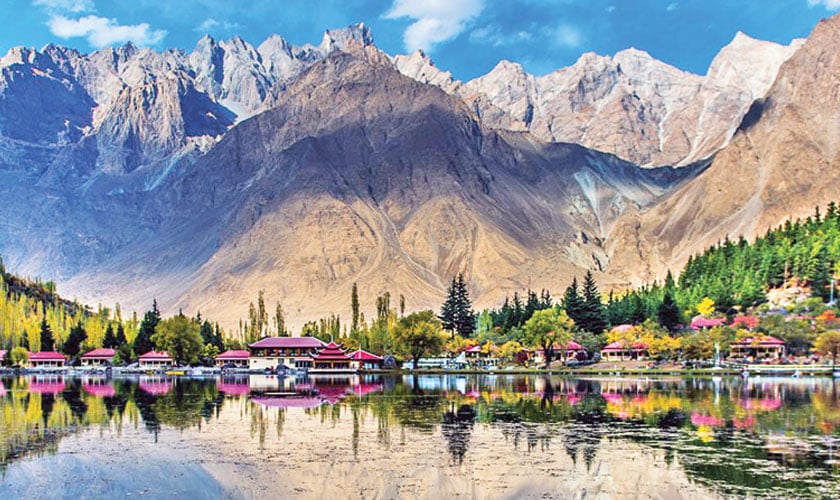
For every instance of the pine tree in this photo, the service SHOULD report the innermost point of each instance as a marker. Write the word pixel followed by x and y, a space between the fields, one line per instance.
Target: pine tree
pixel 449 309
pixel 110 340
pixel 73 344
pixel 464 316
pixel 573 302
pixel 669 311
pixel 47 342
pixel 143 341
pixel 591 317
pixel 121 340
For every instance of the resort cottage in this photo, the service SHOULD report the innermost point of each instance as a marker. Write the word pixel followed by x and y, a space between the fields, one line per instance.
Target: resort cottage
pixel 623 351
pixel 363 360
pixel 152 360
pixel 238 359
pixel 573 351
pixel 99 357
pixel 476 356
pixel 291 352
pixel 46 359
pixel 332 359
pixel 757 348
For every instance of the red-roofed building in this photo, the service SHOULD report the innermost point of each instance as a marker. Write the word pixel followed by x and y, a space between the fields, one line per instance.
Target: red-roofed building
pixel 99 357
pixel 3 353
pixel 700 323
pixel 573 349
pixel 758 347
pixel 363 360
pixel 154 359
pixel 622 351
pixel 46 359
pixel 237 358
pixel 291 352
pixel 331 358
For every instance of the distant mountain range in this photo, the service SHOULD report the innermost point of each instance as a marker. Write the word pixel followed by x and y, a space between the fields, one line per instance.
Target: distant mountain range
pixel 199 178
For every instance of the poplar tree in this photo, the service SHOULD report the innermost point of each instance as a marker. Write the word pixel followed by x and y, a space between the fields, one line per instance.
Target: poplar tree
pixel 143 341
pixel 354 306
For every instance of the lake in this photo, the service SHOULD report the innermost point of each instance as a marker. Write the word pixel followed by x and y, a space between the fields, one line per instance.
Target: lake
pixel 418 437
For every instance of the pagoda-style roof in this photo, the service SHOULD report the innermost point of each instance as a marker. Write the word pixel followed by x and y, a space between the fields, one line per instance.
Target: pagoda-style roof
pixel 360 355
pixel 101 353
pixel 620 345
pixel 332 351
pixel 47 356
pixel 766 341
pixel 154 355
pixel 236 355
pixel 287 343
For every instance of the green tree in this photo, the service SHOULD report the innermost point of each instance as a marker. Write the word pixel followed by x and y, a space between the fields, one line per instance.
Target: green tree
pixel 354 306
pixel 668 311
pixel 592 317
pixel 47 342
pixel 180 337
pixel 828 343
pixel 110 340
pixel 419 334
pixel 280 321
pixel 73 344
pixel 572 301
pixel 143 341
pixel 547 328
pixel 457 315
pixel 18 356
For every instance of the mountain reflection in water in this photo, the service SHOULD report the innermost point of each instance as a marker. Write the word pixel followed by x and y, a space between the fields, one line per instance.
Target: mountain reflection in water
pixel 756 437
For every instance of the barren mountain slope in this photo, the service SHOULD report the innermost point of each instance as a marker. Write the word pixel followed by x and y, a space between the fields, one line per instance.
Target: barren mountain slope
pixel 782 163
pixel 359 174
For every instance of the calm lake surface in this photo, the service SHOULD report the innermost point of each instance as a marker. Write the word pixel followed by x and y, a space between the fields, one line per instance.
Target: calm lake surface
pixel 426 437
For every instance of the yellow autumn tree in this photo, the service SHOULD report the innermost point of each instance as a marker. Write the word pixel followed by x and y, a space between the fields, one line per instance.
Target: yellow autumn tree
pixel 706 307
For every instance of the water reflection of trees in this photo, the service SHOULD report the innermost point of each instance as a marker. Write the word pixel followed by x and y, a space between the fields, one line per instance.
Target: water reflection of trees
pixel 36 412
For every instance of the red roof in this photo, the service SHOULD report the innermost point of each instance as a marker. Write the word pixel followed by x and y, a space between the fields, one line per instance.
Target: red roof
pixel 476 349
pixel 47 356
pixel 47 386
pixel 622 328
pixel 100 353
pixel 360 355
pixel 287 343
pixel 100 390
pixel 234 355
pixel 154 355
pixel 758 341
pixel 707 322
pixel 233 388
pixel 3 354
pixel 332 351
pixel 155 387
pixel 620 345
pixel 290 402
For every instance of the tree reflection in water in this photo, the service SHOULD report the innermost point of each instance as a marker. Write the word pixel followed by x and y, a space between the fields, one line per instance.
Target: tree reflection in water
pixel 738 437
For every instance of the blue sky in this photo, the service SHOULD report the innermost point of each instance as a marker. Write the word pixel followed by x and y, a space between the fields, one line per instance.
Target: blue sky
pixel 466 37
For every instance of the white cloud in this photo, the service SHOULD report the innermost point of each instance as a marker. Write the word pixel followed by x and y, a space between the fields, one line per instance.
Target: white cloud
pixel 566 36
pixel 492 35
pixel 435 20
pixel 672 7
pixel 211 24
pixel 74 6
pixel 828 4
pixel 610 9
pixel 101 31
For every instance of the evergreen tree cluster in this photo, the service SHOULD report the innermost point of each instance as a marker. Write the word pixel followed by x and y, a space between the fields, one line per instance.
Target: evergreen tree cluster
pixel 456 314
pixel 515 312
